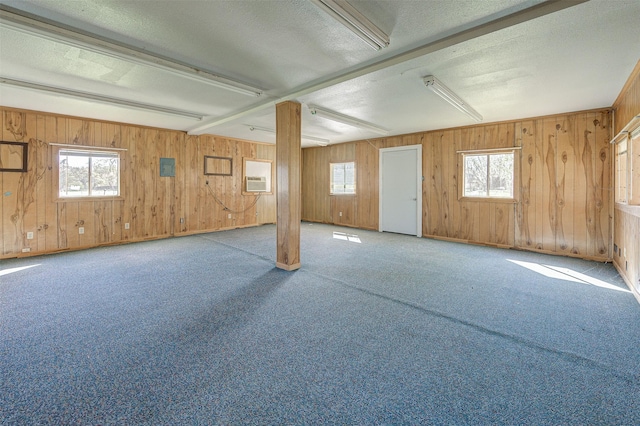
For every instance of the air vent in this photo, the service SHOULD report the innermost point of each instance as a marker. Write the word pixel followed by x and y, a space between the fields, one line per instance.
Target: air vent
pixel 256 184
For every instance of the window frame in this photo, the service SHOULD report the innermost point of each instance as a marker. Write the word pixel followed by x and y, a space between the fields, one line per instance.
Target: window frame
pixel 633 185
pixel 488 152
pixel 60 148
pixel 331 174
pixel 621 167
pixel 626 154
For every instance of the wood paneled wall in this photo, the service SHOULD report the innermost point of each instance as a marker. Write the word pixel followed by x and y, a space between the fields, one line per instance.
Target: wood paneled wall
pixel 627 218
pixel 154 206
pixel 627 105
pixel 626 235
pixel 564 184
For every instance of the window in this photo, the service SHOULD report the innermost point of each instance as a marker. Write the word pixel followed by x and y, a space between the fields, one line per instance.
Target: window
pixel 343 178
pixel 627 164
pixel 634 167
pixel 621 161
pixel 488 174
pixel 84 173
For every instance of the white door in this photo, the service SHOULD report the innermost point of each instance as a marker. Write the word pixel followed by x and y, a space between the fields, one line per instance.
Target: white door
pixel 401 190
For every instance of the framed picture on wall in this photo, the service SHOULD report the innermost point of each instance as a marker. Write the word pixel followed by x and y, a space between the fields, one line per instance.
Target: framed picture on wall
pixel 218 166
pixel 13 156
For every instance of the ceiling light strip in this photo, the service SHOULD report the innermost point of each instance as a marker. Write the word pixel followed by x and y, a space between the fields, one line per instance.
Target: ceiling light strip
pixel 320 141
pixel 349 16
pixel 92 42
pixel 345 119
pixel 447 94
pixel 99 98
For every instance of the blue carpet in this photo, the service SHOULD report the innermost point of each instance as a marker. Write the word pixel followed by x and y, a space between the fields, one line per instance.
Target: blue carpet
pixel 388 330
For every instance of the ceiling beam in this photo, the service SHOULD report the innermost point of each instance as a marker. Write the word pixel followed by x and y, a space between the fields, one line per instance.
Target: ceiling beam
pixel 36 26
pixel 519 17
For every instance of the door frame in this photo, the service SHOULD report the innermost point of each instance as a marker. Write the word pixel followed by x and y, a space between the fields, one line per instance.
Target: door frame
pixel 419 178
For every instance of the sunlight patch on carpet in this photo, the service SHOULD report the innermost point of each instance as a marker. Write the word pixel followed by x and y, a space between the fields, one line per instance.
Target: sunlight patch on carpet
pixel 12 270
pixel 566 274
pixel 347 237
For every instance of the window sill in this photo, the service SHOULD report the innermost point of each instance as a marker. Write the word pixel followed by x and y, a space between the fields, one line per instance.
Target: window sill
pixel 633 210
pixel 342 195
pixel 256 193
pixel 489 200
pixel 85 199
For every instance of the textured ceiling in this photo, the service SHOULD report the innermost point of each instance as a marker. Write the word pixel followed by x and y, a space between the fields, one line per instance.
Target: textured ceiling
pixel 572 59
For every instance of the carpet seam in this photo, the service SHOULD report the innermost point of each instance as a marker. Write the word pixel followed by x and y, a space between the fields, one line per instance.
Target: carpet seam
pixel 570 356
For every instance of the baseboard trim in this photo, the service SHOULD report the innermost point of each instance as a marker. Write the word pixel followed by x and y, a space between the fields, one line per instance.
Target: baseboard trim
pixel 629 284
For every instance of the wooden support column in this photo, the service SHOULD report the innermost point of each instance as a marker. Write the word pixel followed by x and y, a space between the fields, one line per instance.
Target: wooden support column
pixel 288 178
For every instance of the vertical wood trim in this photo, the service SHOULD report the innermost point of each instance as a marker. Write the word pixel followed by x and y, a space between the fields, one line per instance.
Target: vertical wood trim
pixel 288 184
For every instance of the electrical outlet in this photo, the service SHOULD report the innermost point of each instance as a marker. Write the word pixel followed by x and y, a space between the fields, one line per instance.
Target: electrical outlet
pixel 340 214
pixel 81 230
pixel 29 235
pixel 26 250
pixel 229 216
pixel 126 225
pixel 182 220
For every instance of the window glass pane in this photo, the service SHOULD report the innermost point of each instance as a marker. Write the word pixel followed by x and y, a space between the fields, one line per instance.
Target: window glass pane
pixel 475 175
pixel 501 175
pixel 74 175
pixel 621 171
pixel 337 181
pixel 343 178
pixel 633 169
pixel 104 176
pixel 350 178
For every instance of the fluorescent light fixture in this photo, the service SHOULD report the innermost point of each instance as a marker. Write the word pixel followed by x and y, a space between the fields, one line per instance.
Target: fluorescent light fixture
pixel 445 93
pixel 91 42
pixel 349 16
pixel 345 119
pixel 319 141
pixel 85 96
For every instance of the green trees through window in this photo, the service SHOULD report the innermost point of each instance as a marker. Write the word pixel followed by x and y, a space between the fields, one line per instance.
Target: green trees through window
pixel 88 173
pixel 489 175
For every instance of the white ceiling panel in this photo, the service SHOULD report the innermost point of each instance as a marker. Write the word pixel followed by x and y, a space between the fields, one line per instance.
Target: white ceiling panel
pixel 571 59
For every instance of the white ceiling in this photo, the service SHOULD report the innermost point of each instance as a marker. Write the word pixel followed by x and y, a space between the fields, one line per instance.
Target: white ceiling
pixel 573 59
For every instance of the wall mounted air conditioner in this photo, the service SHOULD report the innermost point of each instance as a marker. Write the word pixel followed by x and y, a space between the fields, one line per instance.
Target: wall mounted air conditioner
pixel 256 184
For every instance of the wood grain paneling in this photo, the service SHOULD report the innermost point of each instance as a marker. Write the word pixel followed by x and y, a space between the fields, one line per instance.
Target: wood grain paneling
pixel 627 256
pixel 13 186
pixel 153 206
pixel 627 105
pixel 627 217
pixel 563 189
pixel 316 202
pixel 289 184
pixel 367 178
